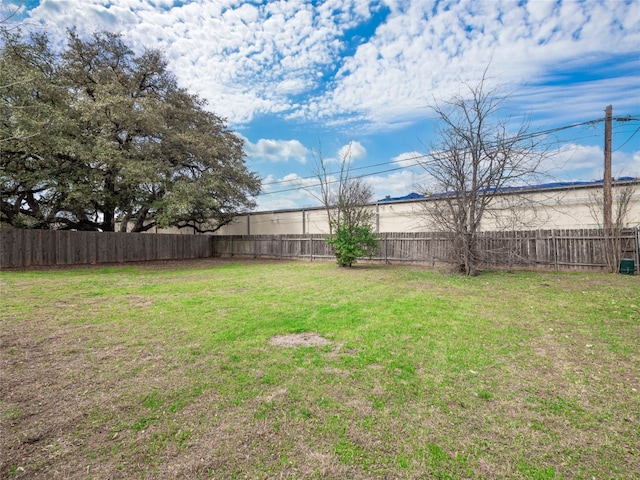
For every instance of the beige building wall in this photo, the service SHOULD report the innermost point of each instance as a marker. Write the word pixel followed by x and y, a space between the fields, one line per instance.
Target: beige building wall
pixel 283 222
pixel 559 208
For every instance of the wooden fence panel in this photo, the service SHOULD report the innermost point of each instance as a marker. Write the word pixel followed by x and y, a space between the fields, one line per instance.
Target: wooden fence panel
pixel 10 248
pixel 28 248
pixel 291 247
pixel 544 248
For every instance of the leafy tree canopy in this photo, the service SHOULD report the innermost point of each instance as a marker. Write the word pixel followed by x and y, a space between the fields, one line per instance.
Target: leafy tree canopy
pixel 97 135
pixel 351 242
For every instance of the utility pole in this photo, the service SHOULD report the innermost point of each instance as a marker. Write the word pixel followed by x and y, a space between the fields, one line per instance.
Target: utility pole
pixel 608 224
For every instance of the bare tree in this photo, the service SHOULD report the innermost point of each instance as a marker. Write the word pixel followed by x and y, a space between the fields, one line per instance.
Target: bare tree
pixel 475 157
pixel 324 190
pixel 345 199
pixel 6 14
pixel 622 199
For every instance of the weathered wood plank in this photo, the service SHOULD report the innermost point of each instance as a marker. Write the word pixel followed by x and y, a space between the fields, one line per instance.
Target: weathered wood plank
pixel 547 248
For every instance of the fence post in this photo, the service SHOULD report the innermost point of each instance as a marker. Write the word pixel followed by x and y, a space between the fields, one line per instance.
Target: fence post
pixel 637 248
pixel 386 257
pixel 311 247
pixel 555 250
pixel 433 247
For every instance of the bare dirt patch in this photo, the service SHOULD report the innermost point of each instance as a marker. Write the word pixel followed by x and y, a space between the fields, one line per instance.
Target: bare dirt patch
pixel 306 339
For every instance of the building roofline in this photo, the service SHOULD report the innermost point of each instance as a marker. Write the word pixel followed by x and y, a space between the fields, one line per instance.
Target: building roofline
pixel 413 197
pixel 545 187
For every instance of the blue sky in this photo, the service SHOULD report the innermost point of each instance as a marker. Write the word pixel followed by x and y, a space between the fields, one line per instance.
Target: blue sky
pixel 295 77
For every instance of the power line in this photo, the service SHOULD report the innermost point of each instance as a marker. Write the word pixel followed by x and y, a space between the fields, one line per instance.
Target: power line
pixel 628 139
pixel 524 137
pixel 333 173
pixel 329 182
pixel 417 157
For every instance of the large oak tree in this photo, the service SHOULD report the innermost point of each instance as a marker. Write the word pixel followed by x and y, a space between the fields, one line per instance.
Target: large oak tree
pixel 96 136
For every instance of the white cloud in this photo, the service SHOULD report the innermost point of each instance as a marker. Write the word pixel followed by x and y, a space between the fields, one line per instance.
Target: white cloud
pixel 245 59
pixel 288 192
pixel 579 102
pixel 572 162
pixel 586 162
pixel 417 55
pixel 397 184
pixel 272 58
pixel 288 58
pixel 277 150
pixel 409 159
pixel 352 151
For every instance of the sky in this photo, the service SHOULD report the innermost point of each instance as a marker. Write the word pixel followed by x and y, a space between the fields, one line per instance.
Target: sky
pixel 300 80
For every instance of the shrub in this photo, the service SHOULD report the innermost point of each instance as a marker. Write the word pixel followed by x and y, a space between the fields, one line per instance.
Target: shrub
pixel 351 243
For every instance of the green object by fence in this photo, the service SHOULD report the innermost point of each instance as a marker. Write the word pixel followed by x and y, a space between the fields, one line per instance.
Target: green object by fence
pixel 627 266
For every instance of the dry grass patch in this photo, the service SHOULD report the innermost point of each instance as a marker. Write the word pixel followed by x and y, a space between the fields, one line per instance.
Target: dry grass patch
pixel 307 339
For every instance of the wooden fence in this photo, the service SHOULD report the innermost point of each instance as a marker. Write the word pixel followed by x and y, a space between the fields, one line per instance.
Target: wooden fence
pixel 27 248
pixel 555 249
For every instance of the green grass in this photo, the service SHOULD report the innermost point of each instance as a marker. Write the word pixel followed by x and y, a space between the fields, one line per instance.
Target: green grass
pixel 168 372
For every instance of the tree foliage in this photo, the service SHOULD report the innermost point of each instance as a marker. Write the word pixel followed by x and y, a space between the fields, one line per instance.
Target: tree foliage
pixel 351 242
pixel 476 156
pixel 97 135
pixel 345 200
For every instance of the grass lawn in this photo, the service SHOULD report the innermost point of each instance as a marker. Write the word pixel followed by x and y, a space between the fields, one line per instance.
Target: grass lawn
pixel 226 369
